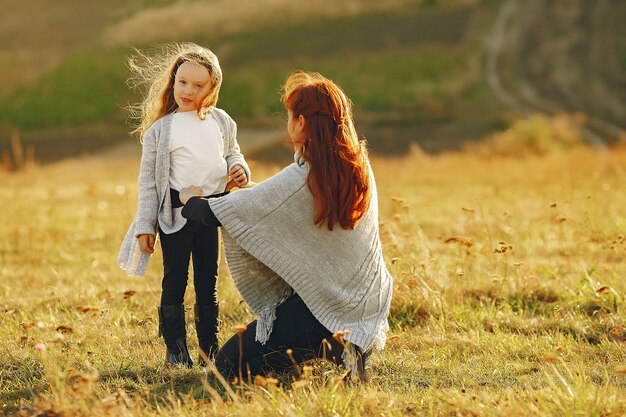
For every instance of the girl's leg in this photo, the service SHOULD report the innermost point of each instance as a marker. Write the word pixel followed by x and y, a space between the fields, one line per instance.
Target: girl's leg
pixel 295 328
pixel 205 252
pixel 176 248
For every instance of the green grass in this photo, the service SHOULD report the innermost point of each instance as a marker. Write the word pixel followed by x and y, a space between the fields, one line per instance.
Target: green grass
pixel 397 82
pixel 405 85
pixel 88 87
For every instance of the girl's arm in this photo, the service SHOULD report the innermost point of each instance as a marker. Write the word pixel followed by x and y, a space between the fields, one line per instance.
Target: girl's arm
pixel 198 209
pixel 148 201
pixel 232 153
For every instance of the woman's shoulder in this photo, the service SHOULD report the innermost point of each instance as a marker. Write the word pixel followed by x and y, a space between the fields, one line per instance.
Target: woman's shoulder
pixel 290 179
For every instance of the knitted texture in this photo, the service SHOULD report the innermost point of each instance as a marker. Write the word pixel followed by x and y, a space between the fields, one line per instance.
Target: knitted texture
pixel 273 248
pixel 154 205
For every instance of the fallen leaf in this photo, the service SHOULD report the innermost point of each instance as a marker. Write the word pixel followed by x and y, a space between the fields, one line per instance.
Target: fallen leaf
pixel 550 357
pixel 27 325
pixel 464 241
pixel 65 329
pixel 87 309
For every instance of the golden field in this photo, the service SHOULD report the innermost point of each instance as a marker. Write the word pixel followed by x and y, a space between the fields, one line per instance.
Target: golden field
pixel 510 278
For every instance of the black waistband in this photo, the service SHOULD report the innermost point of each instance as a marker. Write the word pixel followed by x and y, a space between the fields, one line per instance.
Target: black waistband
pixel 176 197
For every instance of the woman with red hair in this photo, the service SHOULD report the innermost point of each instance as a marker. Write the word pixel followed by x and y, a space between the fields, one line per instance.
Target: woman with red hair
pixel 303 247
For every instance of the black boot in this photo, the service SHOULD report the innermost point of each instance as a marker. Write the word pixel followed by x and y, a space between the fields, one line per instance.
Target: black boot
pixel 363 364
pixel 357 362
pixel 207 329
pixel 172 328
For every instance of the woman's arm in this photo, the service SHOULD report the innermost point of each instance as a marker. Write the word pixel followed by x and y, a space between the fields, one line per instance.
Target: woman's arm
pixel 198 209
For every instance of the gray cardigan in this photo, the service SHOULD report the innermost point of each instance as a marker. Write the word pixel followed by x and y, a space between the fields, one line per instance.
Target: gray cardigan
pixel 154 206
pixel 273 248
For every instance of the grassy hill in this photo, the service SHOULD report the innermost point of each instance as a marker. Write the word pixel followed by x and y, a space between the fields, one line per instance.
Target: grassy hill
pixel 508 297
pixel 412 64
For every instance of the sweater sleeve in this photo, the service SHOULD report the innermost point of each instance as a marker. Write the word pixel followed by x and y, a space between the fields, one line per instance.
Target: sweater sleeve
pixel 148 202
pixel 232 152
pixel 197 209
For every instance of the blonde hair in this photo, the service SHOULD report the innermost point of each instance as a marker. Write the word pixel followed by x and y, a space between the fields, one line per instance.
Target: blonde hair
pixel 154 72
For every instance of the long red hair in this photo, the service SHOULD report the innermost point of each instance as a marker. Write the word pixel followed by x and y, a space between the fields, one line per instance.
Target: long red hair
pixel 339 173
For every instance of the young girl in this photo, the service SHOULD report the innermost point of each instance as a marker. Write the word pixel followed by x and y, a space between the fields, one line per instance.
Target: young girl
pixel 186 141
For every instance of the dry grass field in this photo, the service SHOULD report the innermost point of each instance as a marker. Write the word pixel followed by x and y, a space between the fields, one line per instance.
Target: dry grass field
pixel 508 299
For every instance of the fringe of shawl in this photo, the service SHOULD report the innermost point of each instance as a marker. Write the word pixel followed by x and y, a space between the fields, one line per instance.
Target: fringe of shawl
pixel 265 324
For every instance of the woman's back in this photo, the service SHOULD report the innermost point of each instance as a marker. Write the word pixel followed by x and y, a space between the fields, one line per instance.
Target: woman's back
pixel 340 274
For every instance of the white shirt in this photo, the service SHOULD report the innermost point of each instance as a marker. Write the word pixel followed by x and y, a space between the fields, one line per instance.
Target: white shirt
pixel 197 153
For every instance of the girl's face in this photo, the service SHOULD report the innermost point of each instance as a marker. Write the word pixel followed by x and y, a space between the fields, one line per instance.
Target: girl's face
pixel 296 130
pixel 191 85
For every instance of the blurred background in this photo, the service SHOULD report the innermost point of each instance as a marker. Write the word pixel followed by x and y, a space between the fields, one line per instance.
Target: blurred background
pixel 439 74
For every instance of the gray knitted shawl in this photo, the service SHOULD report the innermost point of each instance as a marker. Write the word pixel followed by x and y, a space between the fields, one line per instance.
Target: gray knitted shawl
pixel 273 248
pixel 154 206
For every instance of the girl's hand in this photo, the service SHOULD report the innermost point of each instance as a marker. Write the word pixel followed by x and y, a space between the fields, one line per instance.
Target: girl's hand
pixel 186 193
pixel 146 242
pixel 237 175
pixel 231 185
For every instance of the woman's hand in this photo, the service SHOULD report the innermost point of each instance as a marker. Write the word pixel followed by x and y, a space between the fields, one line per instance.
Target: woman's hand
pixel 146 242
pixel 186 193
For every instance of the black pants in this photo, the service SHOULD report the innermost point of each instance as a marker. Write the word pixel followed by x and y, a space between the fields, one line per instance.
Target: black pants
pixel 295 328
pixel 201 242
